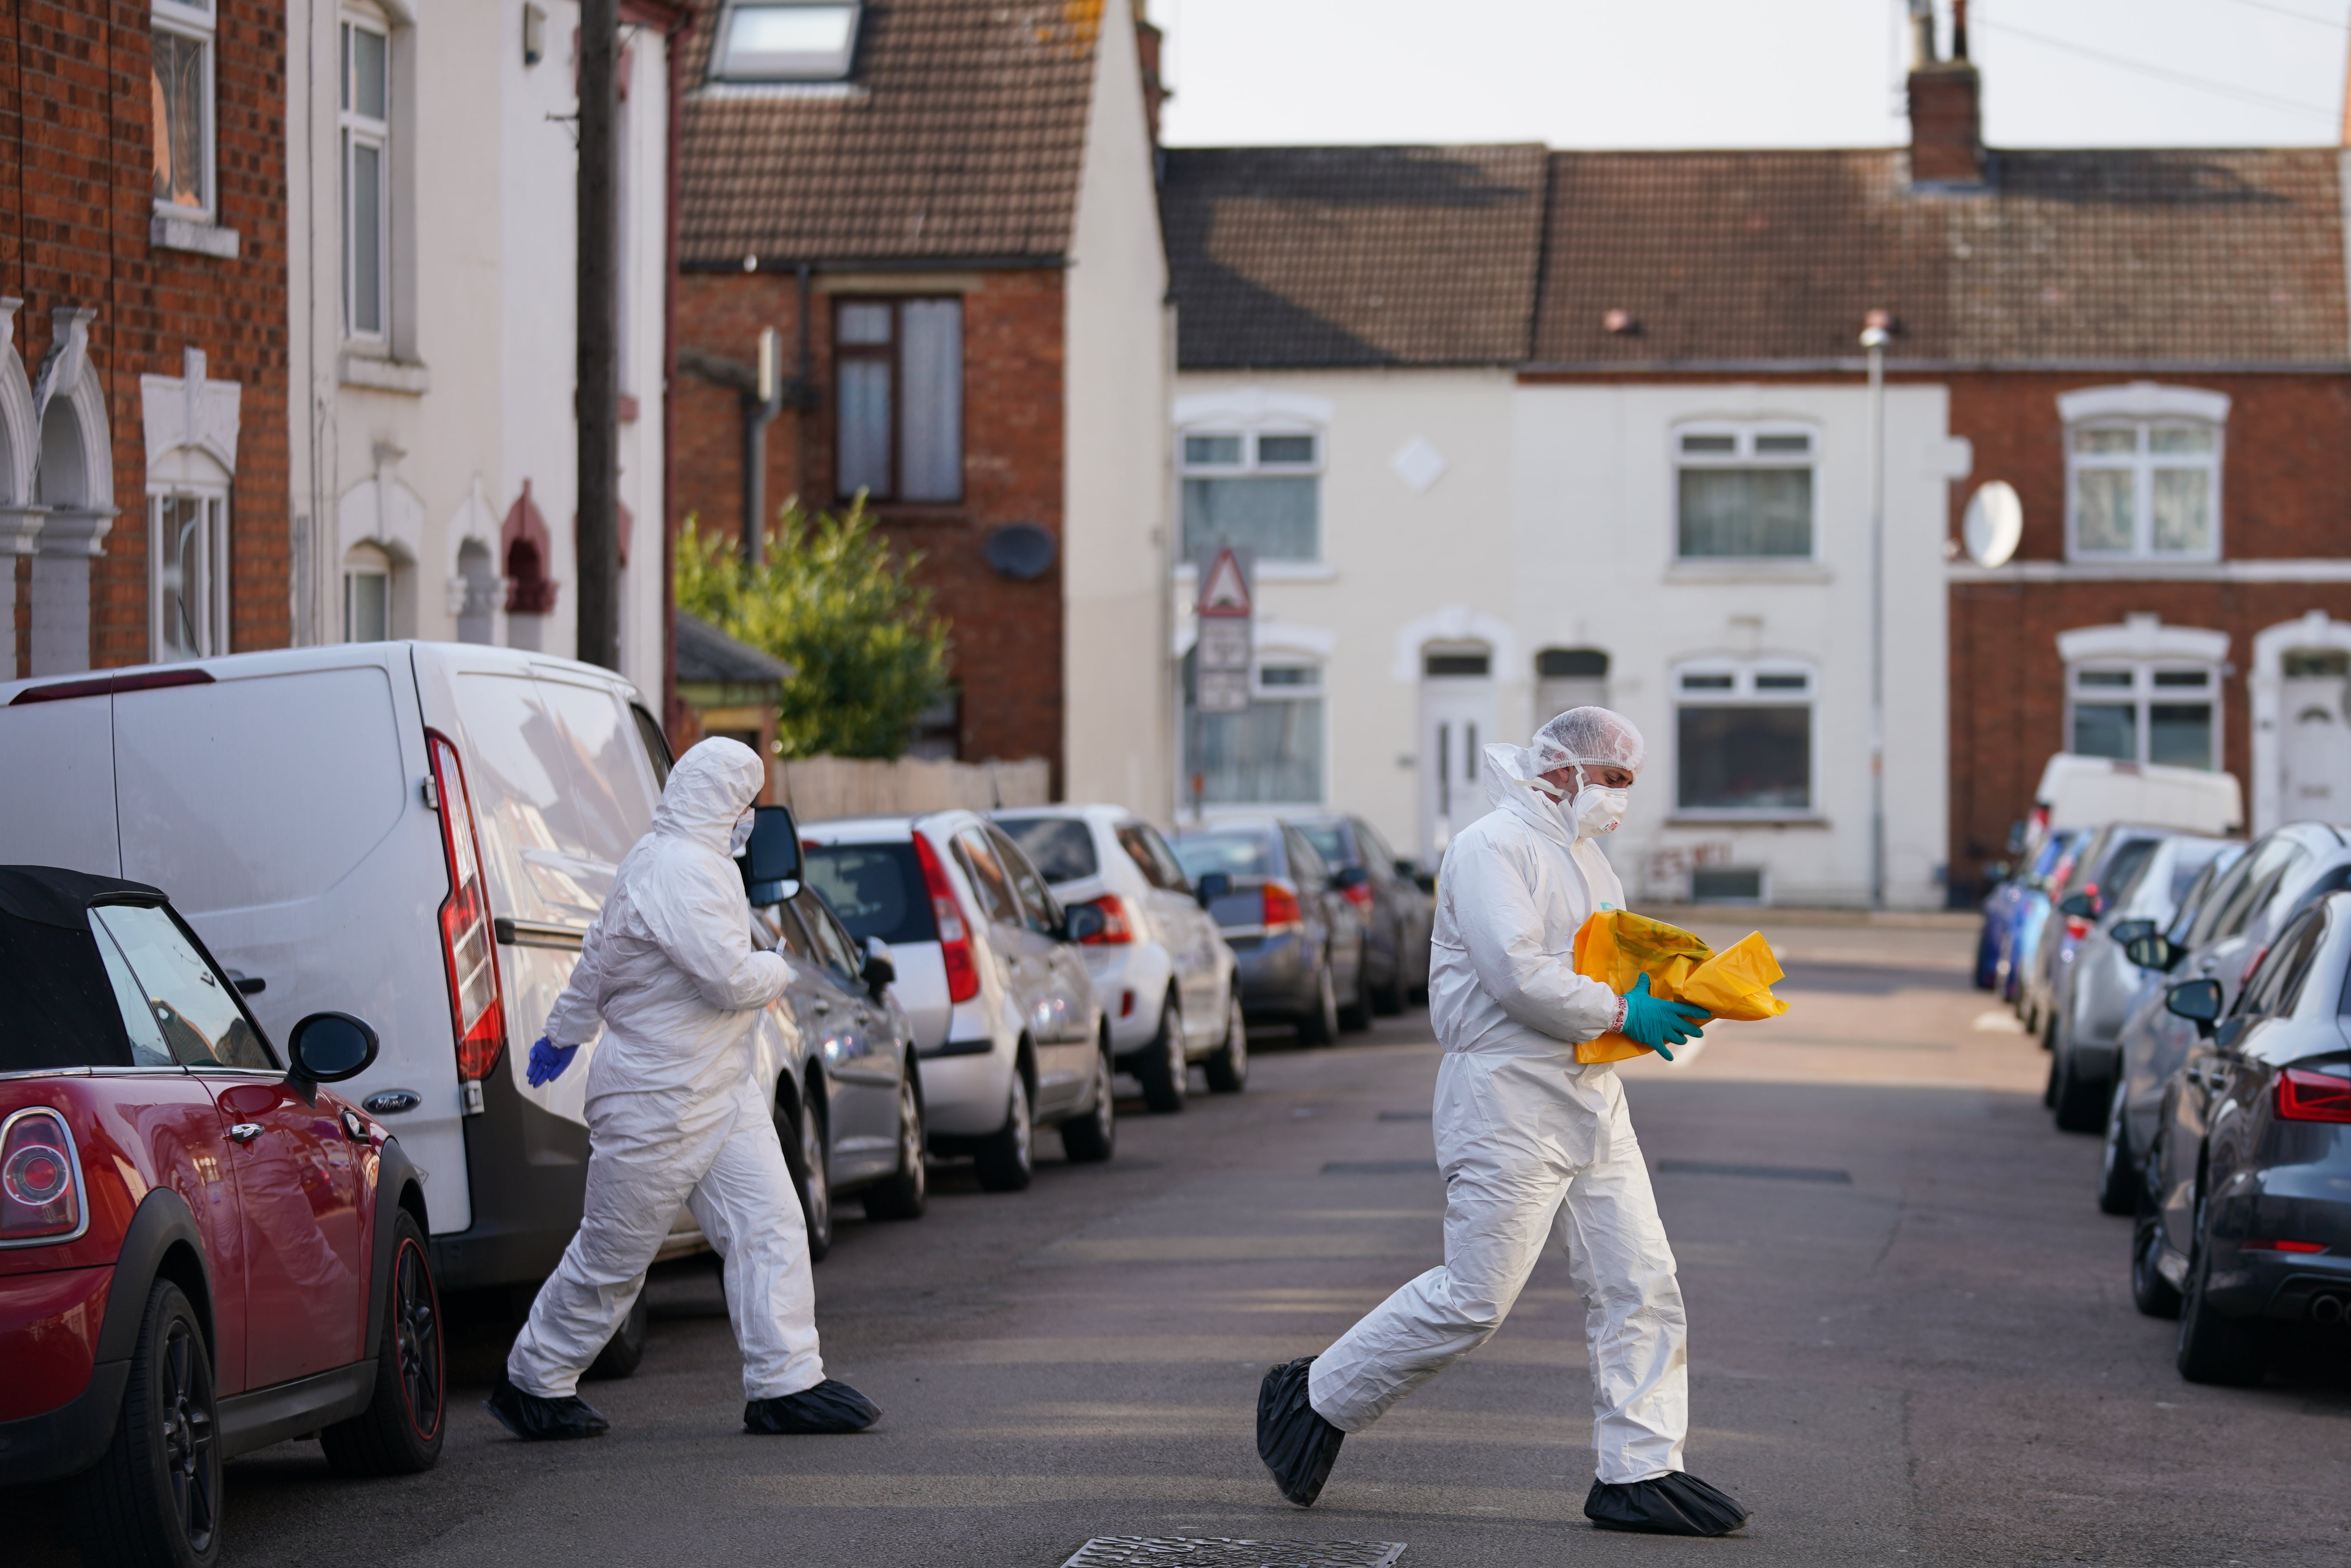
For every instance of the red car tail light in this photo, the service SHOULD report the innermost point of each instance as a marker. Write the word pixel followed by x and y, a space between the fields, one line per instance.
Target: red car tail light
pixel 2285 1246
pixel 1360 894
pixel 1118 924
pixel 955 935
pixel 40 1180
pixel 2306 1096
pixel 468 946
pixel 1281 912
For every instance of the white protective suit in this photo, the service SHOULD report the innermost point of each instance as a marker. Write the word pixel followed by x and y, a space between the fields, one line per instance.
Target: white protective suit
pixel 1532 1145
pixel 673 1115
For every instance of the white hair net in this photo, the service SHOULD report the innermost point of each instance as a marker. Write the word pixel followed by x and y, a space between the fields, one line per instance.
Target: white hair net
pixel 1597 736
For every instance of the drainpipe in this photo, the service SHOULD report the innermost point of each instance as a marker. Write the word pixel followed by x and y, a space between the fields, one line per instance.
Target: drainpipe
pixel 673 41
pixel 761 404
pixel 1873 341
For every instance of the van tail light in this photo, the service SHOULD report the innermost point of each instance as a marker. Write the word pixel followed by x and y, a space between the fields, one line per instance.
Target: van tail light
pixel 1118 922
pixel 40 1180
pixel 1280 908
pixel 1360 894
pixel 954 934
pixel 2306 1096
pixel 468 946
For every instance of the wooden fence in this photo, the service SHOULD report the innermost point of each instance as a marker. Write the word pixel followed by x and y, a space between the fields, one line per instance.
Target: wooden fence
pixel 821 788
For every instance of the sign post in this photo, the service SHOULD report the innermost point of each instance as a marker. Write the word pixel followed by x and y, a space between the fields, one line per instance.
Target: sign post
pixel 1222 655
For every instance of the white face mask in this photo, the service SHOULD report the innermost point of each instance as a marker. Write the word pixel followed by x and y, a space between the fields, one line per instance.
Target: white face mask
pixel 741 836
pixel 1598 809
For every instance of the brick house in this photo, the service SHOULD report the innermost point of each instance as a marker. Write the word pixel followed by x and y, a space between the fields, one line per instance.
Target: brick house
pixel 946 210
pixel 1659 495
pixel 142 331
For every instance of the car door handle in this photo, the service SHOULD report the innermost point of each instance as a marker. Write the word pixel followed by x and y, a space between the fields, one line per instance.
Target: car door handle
pixel 244 1132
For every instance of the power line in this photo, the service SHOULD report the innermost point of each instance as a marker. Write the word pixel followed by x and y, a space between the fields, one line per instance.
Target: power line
pixel 2226 90
pixel 2297 16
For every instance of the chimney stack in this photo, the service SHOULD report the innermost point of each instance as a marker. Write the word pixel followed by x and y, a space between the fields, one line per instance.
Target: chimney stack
pixel 1946 104
pixel 1148 40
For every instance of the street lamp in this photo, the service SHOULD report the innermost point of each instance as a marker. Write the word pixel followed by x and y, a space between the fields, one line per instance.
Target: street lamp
pixel 1873 342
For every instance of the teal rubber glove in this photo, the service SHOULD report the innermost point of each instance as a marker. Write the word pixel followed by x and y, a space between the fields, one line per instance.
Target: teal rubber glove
pixel 1653 1022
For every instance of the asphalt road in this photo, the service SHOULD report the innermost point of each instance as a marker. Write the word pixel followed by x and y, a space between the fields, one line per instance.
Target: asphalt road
pixel 1912 1342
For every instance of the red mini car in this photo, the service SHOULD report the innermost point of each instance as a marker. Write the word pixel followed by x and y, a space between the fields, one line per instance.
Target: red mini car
pixel 201 1252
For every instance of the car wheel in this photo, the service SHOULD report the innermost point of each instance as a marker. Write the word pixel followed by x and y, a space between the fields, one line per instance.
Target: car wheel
pixel 907 1192
pixel 399 1432
pixel 804 1153
pixel 626 1348
pixel 2150 1291
pixel 154 1496
pixel 1318 1026
pixel 1166 1075
pixel 2118 1175
pixel 1356 1016
pixel 2213 1348
pixel 2081 1099
pixel 1007 1157
pixel 1227 1067
pixel 1093 1137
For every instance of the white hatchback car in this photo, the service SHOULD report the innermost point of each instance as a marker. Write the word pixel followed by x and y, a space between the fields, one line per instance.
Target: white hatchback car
pixel 1009 1034
pixel 1160 962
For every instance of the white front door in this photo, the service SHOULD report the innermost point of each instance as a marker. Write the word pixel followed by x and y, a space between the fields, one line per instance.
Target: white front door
pixel 1456 720
pixel 2317 751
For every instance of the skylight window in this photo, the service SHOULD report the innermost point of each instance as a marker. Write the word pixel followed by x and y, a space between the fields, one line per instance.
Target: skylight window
pixel 786 41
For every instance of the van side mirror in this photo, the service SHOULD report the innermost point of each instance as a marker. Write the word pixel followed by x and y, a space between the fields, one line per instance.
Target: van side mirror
pixel 2197 1001
pixel 2154 950
pixel 1211 886
pixel 326 1048
pixel 2128 931
pixel 772 859
pixel 880 971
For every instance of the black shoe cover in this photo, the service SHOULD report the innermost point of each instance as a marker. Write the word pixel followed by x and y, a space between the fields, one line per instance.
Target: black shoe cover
pixel 830 1406
pixel 535 1420
pixel 1673 1504
pixel 1297 1445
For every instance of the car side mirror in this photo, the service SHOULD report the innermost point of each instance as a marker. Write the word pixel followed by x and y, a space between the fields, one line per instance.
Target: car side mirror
pixel 1351 876
pixel 2197 1001
pixel 1211 886
pixel 2153 952
pixel 2081 905
pixel 771 860
pixel 881 970
pixel 1082 923
pixel 326 1048
pixel 2128 931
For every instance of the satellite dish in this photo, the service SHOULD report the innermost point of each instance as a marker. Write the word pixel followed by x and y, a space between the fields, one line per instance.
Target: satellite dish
pixel 1994 523
pixel 1021 551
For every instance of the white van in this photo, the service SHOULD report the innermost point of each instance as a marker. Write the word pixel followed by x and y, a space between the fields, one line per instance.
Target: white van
pixel 416 833
pixel 2090 791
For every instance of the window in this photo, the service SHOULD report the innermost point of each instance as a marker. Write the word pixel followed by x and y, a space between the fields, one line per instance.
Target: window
pixel 987 877
pixel 187 539
pixel 785 43
pixel 875 888
pixel 1568 677
pixel 1260 490
pixel 179 95
pixel 366 595
pixel 1743 491
pixel 366 106
pixel 197 1011
pixel 2145 488
pixel 2144 712
pixel 1271 754
pixel 1744 740
pixel 2277 985
pixel 1061 847
pixel 901 399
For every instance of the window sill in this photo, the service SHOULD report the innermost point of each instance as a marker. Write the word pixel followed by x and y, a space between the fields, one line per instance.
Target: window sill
pixel 192 235
pixel 1731 570
pixel 1273 572
pixel 1760 819
pixel 385 375
pixel 931 512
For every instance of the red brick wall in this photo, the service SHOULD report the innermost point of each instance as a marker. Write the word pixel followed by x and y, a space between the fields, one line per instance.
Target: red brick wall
pixel 75 206
pixel 2285 493
pixel 1007 635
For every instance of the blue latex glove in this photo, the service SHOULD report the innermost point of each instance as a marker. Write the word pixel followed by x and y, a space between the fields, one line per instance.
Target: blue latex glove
pixel 1652 1020
pixel 548 1060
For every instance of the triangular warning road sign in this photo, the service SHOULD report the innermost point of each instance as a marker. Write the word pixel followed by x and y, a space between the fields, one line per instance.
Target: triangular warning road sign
pixel 1225 592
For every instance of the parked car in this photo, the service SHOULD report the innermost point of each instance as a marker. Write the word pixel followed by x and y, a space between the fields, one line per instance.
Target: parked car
pixel 202 1250
pixel 2276 876
pixel 2109 860
pixel 1398 915
pixel 1160 965
pixel 2097 983
pixel 1297 935
pixel 2019 908
pixel 2245 1226
pixel 1008 1032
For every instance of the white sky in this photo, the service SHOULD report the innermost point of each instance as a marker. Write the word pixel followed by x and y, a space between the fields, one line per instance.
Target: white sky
pixel 1745 73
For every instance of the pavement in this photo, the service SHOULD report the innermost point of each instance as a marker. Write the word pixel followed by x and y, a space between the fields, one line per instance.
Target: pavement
pixel 1912 1340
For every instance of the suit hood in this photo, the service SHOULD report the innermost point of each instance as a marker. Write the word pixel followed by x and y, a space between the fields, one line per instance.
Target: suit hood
pixel 712 786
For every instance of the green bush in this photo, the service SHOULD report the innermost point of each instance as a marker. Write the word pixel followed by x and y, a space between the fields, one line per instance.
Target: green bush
pixel 868 652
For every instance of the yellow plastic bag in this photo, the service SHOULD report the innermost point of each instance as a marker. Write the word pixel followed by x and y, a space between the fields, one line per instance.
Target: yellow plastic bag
pixel 1617 947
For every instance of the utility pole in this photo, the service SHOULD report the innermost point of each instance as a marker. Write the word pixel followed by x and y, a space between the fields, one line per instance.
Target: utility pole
pixel 1873 340
pixel 597 380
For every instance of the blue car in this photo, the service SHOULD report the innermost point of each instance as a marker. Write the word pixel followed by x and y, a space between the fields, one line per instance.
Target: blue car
pixel 2015 913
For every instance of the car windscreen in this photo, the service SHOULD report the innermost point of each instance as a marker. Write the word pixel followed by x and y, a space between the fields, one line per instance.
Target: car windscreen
pixel 1330 841
pixel 58 1006
pixel 1234 853
pixel 875 888
pixel 1061 847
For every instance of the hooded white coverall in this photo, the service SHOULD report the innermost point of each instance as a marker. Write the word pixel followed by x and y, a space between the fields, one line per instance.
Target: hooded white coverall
pixel 1531 1144
pixel 673 1115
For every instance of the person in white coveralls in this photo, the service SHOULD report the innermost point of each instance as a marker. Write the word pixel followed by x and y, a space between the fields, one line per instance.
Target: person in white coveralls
pixel 1532 1145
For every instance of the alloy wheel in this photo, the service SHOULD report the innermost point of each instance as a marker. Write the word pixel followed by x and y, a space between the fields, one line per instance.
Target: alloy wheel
pixel 1105 1111
pixel 910 1142
pixel 191 1444
pixel 417 1332
pixel 820 1180
pixel 1024 1131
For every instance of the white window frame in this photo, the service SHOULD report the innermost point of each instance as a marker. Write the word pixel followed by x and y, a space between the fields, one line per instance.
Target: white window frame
pixel 211 627
pixel 1317 691
pixel 1746 690
pixel 1744 435
pixel 1252 466
pixel 2142 694
pixel 2144 407
pixel 807 68
pixel 200 23
pixel 355 129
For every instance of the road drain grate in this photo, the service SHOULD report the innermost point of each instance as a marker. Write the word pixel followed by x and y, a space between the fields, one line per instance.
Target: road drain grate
pixel 1756 1172
pixel 1379 1168
pixel 1217 1552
